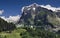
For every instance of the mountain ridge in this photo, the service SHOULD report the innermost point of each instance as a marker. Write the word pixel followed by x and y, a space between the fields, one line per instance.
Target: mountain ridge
pixel 35 15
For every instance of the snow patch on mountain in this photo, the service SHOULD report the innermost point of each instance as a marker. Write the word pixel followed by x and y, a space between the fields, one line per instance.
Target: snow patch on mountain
pixel 49 7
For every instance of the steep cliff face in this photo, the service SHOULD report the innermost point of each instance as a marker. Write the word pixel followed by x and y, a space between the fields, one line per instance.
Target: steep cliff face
pixel 58 13
pixel 39 16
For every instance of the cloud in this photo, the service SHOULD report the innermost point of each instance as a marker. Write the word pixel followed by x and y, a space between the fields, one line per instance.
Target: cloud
pixel 13 19
pixel 1 11
pixel 49 7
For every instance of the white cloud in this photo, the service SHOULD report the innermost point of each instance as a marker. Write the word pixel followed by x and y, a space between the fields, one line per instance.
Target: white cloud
pixel 49 7
pixel 1 11
pixel 13 19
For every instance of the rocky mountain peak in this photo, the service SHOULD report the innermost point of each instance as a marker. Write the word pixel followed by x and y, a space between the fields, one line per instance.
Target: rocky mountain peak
pixel 36 15
pixel 32 11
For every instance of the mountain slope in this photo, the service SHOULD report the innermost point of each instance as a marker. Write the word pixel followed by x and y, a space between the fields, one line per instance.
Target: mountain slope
pixel 38 16
pixel 5 26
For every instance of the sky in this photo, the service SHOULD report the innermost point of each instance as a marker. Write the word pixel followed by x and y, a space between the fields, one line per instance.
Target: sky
pixel 12 8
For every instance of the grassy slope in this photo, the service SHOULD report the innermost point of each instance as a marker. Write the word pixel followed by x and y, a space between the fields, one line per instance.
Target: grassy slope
pixel 14 34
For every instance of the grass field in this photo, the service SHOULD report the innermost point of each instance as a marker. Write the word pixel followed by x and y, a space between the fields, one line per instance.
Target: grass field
pixel 14 34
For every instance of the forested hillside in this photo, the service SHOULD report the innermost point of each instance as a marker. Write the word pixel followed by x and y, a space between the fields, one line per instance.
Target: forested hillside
pixel 5 26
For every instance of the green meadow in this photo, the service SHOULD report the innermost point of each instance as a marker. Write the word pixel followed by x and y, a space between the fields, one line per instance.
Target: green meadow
pixel 13 34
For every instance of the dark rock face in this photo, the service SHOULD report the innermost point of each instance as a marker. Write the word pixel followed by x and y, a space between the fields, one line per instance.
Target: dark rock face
pixel 58 14
pixel 38 16
pixel 28 12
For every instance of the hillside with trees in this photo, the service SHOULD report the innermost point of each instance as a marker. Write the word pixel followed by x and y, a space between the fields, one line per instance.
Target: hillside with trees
pixel 5 26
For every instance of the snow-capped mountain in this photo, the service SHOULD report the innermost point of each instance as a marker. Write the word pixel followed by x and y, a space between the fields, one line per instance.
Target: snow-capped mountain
pixel 32 11
pixel 36 15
